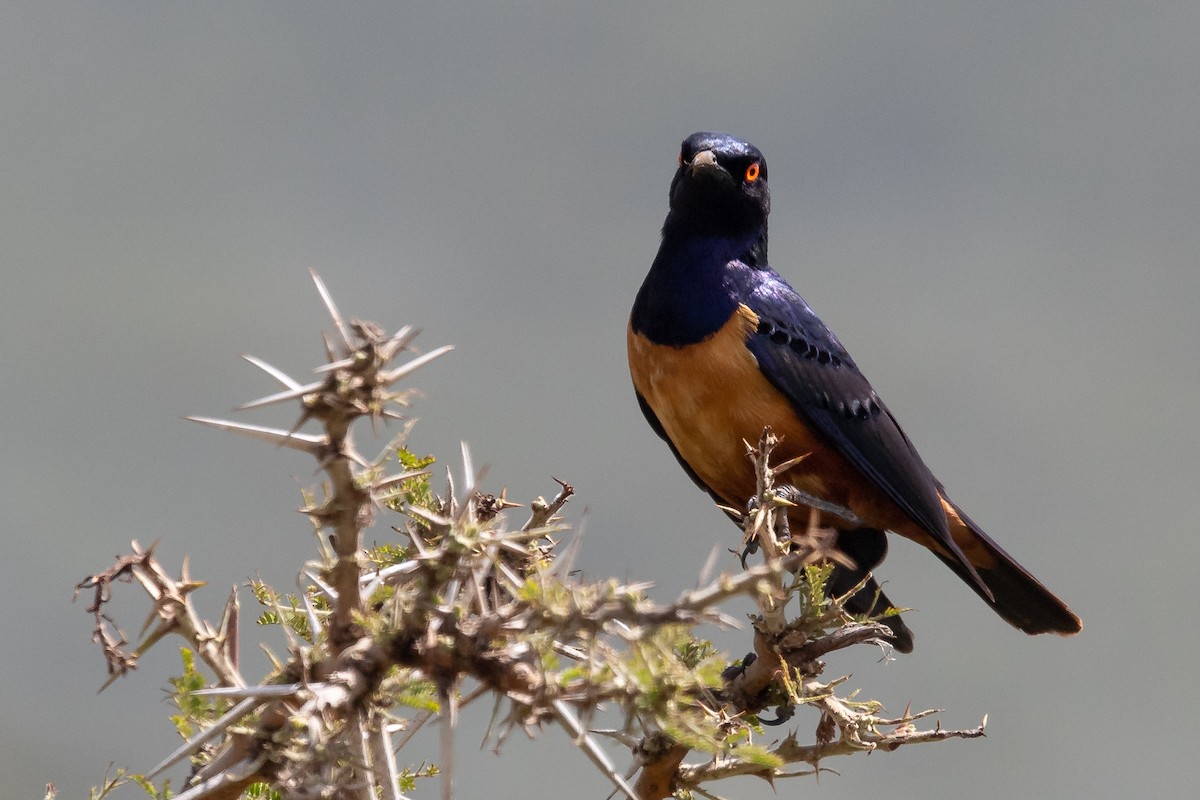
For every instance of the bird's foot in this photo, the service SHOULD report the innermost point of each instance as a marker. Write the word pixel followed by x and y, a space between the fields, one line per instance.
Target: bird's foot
pixel 802 498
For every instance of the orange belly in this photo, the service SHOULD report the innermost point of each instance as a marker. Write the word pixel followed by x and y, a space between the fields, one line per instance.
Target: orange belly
pixel 711 398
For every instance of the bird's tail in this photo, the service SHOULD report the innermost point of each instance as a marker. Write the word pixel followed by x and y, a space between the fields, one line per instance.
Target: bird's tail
pixel 1017 596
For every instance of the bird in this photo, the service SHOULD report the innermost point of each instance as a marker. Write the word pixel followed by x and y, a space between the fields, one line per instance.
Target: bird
pixel 721 346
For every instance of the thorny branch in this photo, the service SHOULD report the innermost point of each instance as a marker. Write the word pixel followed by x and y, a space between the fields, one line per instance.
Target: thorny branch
pixel 173 611
pixel 463 607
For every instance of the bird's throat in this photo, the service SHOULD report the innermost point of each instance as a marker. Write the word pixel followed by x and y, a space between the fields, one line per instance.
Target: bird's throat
pixel 689 293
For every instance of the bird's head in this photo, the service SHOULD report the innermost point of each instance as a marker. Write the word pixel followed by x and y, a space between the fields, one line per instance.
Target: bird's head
pixel 721 184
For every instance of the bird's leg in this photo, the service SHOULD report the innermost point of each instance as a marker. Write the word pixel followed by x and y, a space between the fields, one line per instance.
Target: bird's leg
pixel 750 542
pixel 790 495
pixel 766 520
pixel 782 714
pixel 817 541
pixel 802 498
pixel 750 549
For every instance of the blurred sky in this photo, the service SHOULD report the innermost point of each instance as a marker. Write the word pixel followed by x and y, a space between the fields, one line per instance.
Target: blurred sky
pixel 997 206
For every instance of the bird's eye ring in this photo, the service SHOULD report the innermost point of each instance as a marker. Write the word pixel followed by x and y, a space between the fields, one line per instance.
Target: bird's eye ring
pixel 752 172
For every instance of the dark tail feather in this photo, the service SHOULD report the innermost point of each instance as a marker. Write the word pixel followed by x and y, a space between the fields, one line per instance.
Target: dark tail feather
pixel 867 547
pixel 1017 596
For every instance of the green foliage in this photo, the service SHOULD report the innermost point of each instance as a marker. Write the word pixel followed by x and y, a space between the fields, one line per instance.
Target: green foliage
pixel 401 688
pixel 811 589
pixel 673 671
pixel 414 491
pixel 387 554
pixel 288 609
pixel 261 791
pixel 759 756
pixel 121 778
pixel 195 712
pixel 693 652
pixel 409 778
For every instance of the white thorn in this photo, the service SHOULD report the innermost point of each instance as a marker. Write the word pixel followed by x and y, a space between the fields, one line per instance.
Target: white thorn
pixel 398 342
pixel 280 397
pixel 427 516
pixel 275 373
pixel 590 748
pixel 333 311
pixel 385 483
pixel 303 442
pixel 280 690
pixel 332 365
pixel 709 565
pixel 191 745
pixel 391 376
pixel 229 776
pixel 468 473
pixel 314 624
pixel 328 590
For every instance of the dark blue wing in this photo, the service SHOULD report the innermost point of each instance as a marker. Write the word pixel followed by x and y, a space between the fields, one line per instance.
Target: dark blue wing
pixel 806 362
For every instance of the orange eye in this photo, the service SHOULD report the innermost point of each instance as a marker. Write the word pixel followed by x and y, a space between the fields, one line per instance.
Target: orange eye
pixel 752 172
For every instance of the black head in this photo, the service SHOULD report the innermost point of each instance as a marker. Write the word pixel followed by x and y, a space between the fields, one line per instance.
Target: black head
pixel 721 184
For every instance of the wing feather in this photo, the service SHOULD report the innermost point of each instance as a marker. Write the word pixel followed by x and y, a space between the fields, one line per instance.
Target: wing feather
pixel 804 360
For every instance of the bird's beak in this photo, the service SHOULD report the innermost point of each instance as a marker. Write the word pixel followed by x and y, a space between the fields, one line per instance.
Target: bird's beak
pixel 704 160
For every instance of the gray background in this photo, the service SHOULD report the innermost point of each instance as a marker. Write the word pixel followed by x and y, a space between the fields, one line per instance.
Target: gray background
pixel 996 208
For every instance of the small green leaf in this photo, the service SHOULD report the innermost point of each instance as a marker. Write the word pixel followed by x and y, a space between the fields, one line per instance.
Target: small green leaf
pixel 759 756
